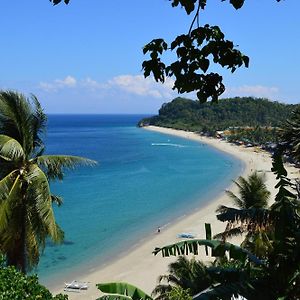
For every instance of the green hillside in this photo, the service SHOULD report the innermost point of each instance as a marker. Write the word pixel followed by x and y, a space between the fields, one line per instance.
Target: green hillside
pixel 192 115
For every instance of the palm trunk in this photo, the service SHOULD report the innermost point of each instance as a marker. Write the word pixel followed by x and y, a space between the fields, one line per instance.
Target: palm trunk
pixel 23 256
pixel 17 255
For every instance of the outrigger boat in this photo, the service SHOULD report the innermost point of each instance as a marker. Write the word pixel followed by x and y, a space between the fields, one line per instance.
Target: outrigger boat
pixel 76 286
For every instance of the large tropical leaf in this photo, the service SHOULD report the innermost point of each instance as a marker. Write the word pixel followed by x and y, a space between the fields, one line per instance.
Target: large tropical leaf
pixel 10 149
pixel 16 119
pixel 219 248
pixel 227 291
pixel 11 186
pixel 54 164
pixel 39 120
pixel 120 291
pixel 10 190
pixel 40 202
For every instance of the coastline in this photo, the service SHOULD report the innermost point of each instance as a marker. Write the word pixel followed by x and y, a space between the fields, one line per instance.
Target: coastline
pixel 139 266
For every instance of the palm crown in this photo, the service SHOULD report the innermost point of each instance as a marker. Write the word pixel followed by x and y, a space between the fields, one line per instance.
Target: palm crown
pixel 26 213
pixel 252 202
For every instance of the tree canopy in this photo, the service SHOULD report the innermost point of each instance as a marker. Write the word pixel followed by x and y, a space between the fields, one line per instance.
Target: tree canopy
pixel 183 113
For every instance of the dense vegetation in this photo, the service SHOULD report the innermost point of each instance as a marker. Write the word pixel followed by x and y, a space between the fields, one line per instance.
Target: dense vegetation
pixel 187 114
pixel 255 136
pixel 15 285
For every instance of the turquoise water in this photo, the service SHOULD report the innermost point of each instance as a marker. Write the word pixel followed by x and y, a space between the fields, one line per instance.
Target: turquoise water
pixel 143 180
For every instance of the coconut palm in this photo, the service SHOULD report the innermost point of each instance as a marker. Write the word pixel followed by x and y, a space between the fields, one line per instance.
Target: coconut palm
pixel 189 274
pixel 253 192
pixel 290 134
pixel 250 216
pixel 26 213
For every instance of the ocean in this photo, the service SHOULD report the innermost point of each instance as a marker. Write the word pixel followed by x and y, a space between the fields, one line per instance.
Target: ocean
pixel 143 180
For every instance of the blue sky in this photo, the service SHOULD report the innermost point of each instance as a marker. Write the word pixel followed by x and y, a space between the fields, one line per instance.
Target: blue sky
pixel 86 57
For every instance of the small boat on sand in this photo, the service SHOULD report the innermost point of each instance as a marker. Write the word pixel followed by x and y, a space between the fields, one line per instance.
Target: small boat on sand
pixel 186 235
pixel 76 286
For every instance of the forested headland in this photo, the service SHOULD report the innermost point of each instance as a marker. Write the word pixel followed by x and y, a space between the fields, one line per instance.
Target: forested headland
pixel 186 114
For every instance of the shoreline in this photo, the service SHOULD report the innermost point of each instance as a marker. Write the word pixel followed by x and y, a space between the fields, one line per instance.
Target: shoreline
pixel 138 266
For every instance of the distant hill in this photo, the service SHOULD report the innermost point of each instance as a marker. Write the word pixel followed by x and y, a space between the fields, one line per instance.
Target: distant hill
pixel 188 114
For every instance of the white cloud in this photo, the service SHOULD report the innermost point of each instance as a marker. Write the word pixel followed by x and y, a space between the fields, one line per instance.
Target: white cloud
pixel 91 84
pixel 254 90
pixel 141 86
pixel 129 84
pixel 57 84
pixel 69 81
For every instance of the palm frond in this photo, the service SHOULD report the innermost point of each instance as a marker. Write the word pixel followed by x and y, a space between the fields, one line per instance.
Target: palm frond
pixel 160 292
pixel 258 242
pixel 258 216
pixel 253 192
pixel 54 164
pixel 10 190
pixel 39 120
pixel 57 200
pixel 32 247
pixel 41 201
pixel 10 149
pixel 15 118
pixel 219 248
pixel 235 199
pixel 229 233
pixel 226 291
pixel 6 185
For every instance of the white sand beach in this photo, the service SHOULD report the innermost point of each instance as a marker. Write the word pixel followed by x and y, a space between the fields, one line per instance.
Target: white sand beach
pixel 140 267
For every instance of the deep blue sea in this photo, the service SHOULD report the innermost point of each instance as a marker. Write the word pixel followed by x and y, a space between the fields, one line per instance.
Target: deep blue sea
pixel 143 180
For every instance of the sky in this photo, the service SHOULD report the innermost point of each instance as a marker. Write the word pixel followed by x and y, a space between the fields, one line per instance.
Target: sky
pixel 86 57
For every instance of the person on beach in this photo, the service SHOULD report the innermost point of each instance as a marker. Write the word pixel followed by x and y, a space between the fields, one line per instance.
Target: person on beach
pixel 158 230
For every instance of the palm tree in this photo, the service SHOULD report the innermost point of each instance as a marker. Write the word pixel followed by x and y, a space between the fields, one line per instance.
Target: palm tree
pixel 290 134
pixel 26 214
pixel 250 216
pixel 187 274
pixel 253 192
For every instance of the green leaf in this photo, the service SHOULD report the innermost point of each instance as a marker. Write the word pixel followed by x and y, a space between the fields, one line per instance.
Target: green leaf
pixel 10 149
pixel 219 248
pixel 188 5
pixel 237 4
pixel 208 235
pixel 55 2
pixel 40 199
pixel 10 189
pixel 54 164
pixel 121 290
